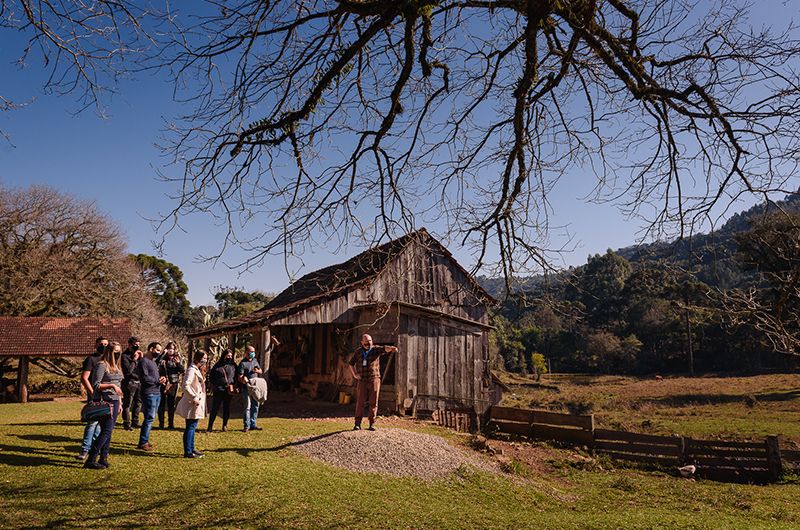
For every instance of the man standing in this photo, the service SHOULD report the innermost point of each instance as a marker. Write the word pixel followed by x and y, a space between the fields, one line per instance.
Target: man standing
pixel 131 398
pixel 365 365
pixel 92 428
pixel 151 382
pixel 249 368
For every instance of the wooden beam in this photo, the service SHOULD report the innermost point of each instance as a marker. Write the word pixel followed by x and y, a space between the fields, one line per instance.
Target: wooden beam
pixel 22 379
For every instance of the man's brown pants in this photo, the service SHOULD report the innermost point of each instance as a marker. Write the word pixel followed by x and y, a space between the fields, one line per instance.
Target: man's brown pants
pixel 367 389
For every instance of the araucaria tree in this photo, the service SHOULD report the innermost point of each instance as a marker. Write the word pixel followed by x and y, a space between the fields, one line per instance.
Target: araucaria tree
pixel 365 118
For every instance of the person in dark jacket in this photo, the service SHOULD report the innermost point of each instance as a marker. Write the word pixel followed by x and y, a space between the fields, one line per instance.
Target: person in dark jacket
pixel 92 429
pixel 131 398
pixel 223 376
pixel 106 379
pixel 170 366
pixel 151 382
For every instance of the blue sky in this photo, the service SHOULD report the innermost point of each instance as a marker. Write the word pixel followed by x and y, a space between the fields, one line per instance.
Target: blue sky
pixel 113 161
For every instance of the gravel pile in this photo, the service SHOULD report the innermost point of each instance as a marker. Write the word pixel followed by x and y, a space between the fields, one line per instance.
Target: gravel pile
pixel 395 452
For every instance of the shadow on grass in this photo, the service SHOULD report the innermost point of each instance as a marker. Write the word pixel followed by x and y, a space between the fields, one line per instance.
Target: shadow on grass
pixel 128 515
pixel 45 423
pixel 25 456
pixel 247 451
pixel 683 400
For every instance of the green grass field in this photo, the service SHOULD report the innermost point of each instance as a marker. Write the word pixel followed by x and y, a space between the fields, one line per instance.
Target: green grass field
pixel 258 480
pixel 702 407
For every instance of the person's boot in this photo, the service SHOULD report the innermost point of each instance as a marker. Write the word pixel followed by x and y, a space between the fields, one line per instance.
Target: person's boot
pixel 90 462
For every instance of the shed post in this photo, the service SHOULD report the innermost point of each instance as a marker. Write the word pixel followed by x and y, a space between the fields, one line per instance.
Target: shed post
pixel 22 379
pixel 264 346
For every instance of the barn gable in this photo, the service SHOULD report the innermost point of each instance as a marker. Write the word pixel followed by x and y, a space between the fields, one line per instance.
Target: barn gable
pixel 414 269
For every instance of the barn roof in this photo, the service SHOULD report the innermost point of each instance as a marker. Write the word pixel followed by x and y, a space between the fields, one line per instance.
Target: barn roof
pixel 57 336
pixel 332 281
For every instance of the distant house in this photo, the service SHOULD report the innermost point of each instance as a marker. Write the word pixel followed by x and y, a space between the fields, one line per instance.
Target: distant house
pixel 409 292
pixel 25 338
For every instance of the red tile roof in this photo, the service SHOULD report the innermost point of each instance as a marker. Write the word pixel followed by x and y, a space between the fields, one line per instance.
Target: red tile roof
pixel 45 336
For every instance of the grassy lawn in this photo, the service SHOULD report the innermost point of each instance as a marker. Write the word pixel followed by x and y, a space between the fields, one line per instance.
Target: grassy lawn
pixel 258 480
pixel 703 407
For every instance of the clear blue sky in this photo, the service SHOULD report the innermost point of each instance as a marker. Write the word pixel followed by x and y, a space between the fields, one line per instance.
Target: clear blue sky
pixel 113 161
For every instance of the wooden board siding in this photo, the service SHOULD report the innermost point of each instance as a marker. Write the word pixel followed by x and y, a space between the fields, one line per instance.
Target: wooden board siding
pixel 418 276
pixel 441 361
pixel 339 310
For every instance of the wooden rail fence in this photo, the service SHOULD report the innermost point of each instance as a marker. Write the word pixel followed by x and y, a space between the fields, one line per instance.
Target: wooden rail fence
pixel 728 461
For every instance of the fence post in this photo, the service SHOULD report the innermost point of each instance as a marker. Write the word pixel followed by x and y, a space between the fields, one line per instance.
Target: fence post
pixel 684 458
pixel 774 463
pixel 591 427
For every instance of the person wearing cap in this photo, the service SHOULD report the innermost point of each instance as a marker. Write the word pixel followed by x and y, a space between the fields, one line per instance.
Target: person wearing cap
pixel 249 368
pixel 365 366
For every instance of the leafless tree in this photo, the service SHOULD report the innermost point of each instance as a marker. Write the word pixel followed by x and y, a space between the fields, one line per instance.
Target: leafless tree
pixel 316 122
pixel 770 250
pixel 83 45
pixel 61 257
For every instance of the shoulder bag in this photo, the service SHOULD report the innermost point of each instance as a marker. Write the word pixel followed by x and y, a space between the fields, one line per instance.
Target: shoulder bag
pixel 95 411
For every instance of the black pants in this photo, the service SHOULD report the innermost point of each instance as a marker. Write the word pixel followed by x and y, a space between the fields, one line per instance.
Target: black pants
pixel 220 396
pixel 131 403
pixel 168 403
pixel 101 444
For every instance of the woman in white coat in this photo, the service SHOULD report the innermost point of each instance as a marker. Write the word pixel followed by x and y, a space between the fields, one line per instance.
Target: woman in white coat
pixel 192 405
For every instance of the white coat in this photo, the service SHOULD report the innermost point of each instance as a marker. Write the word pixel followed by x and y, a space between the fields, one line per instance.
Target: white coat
pixel 192 405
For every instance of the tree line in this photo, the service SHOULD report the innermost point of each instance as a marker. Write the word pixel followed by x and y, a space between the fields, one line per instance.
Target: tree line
pixel 615 315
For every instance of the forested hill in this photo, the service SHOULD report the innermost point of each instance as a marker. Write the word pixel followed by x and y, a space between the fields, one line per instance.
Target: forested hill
pixel 709 256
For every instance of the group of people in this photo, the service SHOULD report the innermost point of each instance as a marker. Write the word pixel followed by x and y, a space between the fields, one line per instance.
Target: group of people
pixel 134 382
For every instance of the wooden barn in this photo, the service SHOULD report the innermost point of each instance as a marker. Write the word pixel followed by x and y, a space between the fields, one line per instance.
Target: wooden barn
pixel 410 293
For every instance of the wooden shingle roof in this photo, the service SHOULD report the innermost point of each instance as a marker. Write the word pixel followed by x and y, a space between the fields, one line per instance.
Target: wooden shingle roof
pixel 332 281
pixel 58 336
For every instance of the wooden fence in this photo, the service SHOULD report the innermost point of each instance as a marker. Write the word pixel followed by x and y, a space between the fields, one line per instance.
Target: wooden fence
pixel 458 419
pixel 728 461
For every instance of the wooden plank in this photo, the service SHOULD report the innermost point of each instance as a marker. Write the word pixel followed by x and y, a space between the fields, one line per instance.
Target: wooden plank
pixel 737 463
pixel 731 453
pixel 512 414
pixel 606 434
pixel 557 418
pixel 790 455
pixel 508 427
pixel 733 475
pixel 561 434
pixel 692 443
pixel 628 447
pixel 643 459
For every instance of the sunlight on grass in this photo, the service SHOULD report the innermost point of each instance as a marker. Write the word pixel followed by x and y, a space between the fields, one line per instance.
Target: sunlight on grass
pixel 257 479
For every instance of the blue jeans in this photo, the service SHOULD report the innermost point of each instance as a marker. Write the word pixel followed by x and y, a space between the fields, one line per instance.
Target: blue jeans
pixel 90 434
pixel 188 436
pixel 250 410
pixel 149 407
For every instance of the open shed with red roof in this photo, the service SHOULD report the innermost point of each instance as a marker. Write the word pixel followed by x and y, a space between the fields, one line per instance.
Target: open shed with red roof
pixel 26 338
